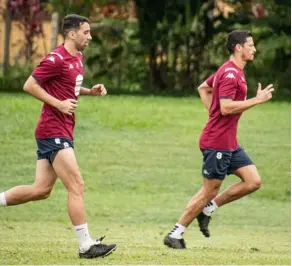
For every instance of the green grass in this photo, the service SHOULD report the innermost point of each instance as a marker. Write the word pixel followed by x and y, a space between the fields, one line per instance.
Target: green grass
pixel 140 160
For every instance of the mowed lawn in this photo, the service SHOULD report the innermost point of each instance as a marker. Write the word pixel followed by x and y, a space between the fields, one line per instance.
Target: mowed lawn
pixel 140 160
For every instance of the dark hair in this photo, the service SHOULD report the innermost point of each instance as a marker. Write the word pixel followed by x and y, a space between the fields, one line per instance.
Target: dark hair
pixel 72 22
pixel 237 37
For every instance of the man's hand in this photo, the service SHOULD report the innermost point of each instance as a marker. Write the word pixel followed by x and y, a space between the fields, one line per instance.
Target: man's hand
pixel 265 94
pixel 98 90
pixel 68 106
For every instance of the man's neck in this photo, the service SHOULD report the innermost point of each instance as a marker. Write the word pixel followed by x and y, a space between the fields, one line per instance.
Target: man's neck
pixel 71 49
pixel 238 61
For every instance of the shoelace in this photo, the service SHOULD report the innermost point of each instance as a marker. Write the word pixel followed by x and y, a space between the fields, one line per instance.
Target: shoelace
pixel 98 242
pixel 100 239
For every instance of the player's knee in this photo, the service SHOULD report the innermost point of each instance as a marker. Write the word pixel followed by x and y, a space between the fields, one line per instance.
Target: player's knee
pixel 80 187
pixel 77 189
pixel 255 184
pixel 41 193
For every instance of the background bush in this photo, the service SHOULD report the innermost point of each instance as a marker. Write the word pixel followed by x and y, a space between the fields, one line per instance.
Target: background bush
pixel 174 49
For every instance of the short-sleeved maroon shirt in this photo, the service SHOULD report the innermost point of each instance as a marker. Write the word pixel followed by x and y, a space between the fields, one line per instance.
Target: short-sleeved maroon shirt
pixel 61 75
pixel 220 131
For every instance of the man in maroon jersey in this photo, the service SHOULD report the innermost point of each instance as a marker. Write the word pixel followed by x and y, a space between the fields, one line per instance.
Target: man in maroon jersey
pixel 57 81
pixel 224 95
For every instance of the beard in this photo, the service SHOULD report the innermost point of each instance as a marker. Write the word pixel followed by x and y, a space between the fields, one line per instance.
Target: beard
pixel 249 58
pixel 81 48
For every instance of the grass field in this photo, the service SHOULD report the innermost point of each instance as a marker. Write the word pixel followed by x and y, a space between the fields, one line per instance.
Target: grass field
pixel 141 165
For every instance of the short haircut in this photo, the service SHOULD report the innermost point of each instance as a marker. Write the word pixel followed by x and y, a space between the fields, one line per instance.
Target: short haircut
pixel 72 22
pixel 237 37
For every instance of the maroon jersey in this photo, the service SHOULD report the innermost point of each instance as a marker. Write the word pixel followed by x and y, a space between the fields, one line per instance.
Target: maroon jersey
pixel 61 75
pixel 220 131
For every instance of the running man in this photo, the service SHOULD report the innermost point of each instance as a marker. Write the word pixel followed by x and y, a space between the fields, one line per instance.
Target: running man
pixel 57 82
pixel 224 95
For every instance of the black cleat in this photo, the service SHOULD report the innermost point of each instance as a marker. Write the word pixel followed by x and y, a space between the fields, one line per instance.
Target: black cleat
pixel 174 243
pixel 204 221
pixel 98 250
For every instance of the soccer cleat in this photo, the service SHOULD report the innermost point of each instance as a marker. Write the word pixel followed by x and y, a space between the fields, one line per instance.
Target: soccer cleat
pixel 204 221
pixel 98 250
pixel 174 242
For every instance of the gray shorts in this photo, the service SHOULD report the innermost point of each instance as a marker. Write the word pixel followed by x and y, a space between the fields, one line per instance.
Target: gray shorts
pixel 47 148
pixel 219 163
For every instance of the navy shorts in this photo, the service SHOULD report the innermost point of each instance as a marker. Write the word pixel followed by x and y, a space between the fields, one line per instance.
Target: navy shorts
pixel 47 148
pixel 219 163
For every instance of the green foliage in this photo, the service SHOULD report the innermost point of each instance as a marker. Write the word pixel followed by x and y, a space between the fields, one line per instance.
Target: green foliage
pixel 273 43
pixel 274 50
pixel 172 50
pixel 272 35
pixel 115 56
pixel 194 43
pixel 65 7
pixel 14 79
pixel 174 38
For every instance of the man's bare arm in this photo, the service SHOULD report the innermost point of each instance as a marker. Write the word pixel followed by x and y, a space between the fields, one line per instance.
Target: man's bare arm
pixel 85 91
pixel 96 90
pixel 32 87
pixel 206 94
pixel 230 107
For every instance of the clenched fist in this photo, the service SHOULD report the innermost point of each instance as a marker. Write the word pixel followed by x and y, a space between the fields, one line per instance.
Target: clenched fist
pixel 98 90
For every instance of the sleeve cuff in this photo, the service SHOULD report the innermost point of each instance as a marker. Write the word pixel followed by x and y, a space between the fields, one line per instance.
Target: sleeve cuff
pixel 35 77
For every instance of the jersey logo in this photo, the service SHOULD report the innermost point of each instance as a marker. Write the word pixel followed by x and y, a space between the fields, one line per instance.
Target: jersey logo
pixel 70 66
pixel 230 75
pixel 61 57
pixel 66 145
pixel 206 172
pixel 52 59
pixel 231 68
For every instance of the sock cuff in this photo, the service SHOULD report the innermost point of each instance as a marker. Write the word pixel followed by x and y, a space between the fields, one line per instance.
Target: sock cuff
pixel 80 227
pixel 180 226
pixel 3 199
pixel 214 203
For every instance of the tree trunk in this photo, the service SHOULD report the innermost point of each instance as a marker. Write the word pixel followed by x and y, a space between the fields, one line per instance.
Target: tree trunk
pixel 7 38
pixel 55 30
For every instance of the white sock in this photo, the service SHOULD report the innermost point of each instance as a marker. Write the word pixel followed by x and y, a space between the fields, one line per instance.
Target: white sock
pixel 83 237
pixel 3 199
pixel 177 231
pixel 210 208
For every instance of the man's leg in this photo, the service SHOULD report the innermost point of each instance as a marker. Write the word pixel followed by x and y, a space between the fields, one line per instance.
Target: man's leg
pixel 44 182
pixel 209 190
pixel 242 166
pixel 67 169
pixel 251 182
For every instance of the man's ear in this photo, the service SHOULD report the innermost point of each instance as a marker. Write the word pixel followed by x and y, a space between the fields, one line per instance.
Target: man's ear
pixel 72 34
pixel 238 47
